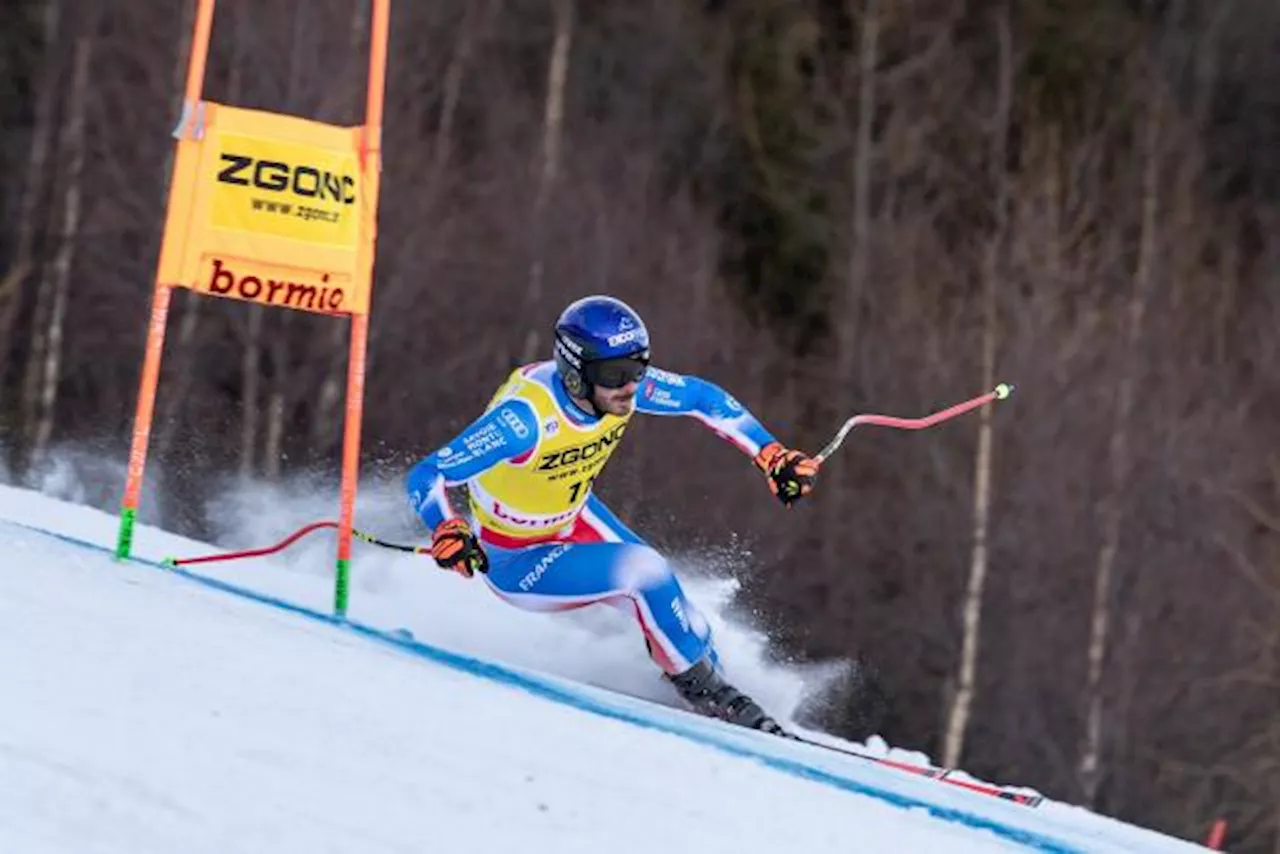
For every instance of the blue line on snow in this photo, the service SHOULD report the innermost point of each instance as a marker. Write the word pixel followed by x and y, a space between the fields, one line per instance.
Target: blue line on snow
pixel 545 689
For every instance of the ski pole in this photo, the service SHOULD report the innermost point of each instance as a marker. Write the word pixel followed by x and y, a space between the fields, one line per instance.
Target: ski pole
pixel 1000 392
pixel 400 547
pixel 289 540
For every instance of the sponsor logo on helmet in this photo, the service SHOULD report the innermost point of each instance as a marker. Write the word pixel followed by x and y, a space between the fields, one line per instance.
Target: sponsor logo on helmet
pixel 551 426
pixel 625 322
pixel 568 355
pixel 623 337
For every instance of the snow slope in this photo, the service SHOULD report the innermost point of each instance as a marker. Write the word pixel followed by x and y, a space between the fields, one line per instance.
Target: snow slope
pixel 151 710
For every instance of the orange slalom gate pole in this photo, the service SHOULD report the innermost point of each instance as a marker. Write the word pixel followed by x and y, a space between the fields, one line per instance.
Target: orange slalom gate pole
pixel 371 163
pixel 160 301
pixel 350 458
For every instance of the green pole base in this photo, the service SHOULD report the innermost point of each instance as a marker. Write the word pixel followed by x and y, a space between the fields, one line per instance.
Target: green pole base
pixel 340 587
pixel 124 540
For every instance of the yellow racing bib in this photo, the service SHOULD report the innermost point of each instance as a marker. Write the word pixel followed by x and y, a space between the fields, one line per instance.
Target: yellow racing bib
pixel 539 495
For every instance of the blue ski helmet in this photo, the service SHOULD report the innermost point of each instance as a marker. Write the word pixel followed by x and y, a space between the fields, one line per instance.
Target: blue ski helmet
pixel 600 341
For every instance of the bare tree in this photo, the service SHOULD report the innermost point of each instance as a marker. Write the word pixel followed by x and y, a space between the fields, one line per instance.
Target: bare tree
pixel 850 300
pixel 1119 456
pixel 993 266
pixel 549 162
pixel 58 283
pixel 863 154
pixel 250 388
pixel 1253 763
pixel 282 394
pixel 35 177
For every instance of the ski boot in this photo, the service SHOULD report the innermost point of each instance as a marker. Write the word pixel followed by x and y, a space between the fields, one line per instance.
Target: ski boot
pixel 707 692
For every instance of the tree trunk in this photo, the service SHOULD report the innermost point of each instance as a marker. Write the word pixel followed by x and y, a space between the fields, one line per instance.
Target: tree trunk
pixel 35 175
pixel 454 74
pixel 1091 771
pixel 859 255
pixel 552 133
pixel 325 423
pixel 1275 751
pixel 1057 205
pixel 278 403
pixel 73 154
pixel 273 453
pixel 279 396
pixel 1276 819
pixel 250 374
pixel 33 371
pixel 962 700
pixel 849 307
pixel 251 356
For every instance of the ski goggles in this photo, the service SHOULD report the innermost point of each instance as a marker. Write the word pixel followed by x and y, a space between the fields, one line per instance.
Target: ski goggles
pixel 616 373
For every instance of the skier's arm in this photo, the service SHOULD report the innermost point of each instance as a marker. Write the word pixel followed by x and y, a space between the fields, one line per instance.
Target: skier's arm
pixel 791 473
pixel 666 393
pixel 507 431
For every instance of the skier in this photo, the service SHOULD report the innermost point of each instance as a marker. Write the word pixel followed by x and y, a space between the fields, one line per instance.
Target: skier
pixel 542 540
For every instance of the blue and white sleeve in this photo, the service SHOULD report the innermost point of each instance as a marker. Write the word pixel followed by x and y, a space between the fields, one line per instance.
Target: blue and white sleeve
pixel 666 393
pixel 506 431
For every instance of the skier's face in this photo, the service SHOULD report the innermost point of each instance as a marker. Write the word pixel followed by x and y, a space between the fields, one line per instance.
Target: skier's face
pixel 616 401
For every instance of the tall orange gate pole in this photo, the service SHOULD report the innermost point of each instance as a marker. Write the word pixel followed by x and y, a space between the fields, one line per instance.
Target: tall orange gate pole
pixel 273 209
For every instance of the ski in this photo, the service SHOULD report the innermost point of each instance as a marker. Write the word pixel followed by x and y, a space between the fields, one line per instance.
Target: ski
pixel 932 772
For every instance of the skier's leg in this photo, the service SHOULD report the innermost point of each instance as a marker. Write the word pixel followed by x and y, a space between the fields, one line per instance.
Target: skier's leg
pixel 563 576
pixel 598 523
pixel 701 684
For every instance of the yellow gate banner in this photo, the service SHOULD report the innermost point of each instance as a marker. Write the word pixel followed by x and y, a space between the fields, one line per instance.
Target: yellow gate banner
pixel 273 209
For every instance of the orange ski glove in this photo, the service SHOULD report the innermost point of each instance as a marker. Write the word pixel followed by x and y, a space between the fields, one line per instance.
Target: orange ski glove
pixel 791 473
pixel 455 547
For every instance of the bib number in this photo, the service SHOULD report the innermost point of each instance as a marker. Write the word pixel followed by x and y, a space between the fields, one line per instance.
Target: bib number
pixel 576 488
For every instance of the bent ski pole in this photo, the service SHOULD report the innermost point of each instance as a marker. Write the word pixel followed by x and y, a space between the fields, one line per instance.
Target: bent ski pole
pixel 1000 392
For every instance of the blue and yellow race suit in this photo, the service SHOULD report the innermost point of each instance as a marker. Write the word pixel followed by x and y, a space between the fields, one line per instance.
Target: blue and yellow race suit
pixel 529 463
